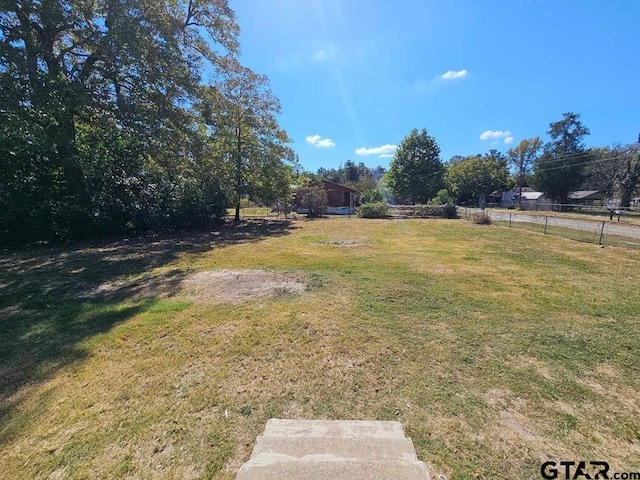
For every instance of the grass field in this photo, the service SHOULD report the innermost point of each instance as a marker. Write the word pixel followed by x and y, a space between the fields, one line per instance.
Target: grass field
pixel 252 212
pixel 497 349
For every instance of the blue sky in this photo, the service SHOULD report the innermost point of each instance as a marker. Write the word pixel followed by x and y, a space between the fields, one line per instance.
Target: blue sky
pixel 355 76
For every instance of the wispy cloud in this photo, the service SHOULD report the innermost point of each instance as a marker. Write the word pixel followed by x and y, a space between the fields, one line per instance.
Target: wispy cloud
pixel 383 151
pixel 319 142
pixel 508 140
pixel 326 53
pixel 306 55
pixel 453 74
pixel 494 134
pixel 423 86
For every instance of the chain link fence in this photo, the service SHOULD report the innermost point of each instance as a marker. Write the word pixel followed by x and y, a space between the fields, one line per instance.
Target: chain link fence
pixel 602 232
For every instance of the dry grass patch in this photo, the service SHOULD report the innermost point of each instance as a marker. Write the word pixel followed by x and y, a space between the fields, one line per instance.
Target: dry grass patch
pixel 497 350
pixel 235 286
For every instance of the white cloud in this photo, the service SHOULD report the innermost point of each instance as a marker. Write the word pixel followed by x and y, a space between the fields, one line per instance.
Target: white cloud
pixel 320 56
pixel 326 53
pixel 383 151
pixel 496 134
pixel 508 140
pixel 453 74
pixel 319 142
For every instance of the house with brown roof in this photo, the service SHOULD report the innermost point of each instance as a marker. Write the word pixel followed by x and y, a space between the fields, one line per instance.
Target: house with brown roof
pixel 341 199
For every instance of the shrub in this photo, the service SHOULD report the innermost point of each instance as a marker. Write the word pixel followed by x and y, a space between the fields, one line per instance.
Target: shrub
pixel 442 211
pixel 481 218
pixel 442 198
pixel 314 199
pixel 372 196
pixel 374 210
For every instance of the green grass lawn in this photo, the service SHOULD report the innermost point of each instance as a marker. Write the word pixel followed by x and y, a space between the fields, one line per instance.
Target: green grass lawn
pixel 496 348
pixel 252 212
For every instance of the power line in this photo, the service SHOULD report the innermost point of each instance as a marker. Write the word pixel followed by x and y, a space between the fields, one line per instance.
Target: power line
pixel 578 164
pixel 571 155
pixel 581 154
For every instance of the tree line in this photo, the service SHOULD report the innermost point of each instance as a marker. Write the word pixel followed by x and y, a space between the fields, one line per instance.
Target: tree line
pixel 129 116
pixel 109 123
pixel 417 174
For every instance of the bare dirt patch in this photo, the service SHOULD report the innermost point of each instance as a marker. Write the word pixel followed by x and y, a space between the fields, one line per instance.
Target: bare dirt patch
pixel 342 242
pixel 514 423
pixel 528 362
pixel 236 286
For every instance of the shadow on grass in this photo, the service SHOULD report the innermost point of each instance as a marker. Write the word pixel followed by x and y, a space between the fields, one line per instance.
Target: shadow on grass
pixel 52 299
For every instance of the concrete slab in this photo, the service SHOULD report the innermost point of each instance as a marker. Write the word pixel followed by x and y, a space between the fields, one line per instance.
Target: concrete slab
pixel 357 448
pixel 332 428
pixel 330 470
pixel 335 450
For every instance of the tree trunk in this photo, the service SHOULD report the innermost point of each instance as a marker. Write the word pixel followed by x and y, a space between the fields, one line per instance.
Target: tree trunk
pixel 629 181
pixel 238 172
pixel 520 193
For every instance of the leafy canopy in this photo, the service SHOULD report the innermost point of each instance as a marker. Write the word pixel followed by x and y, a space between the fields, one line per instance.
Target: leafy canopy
pixel 470 178
pixel 416 171
pixel 559 170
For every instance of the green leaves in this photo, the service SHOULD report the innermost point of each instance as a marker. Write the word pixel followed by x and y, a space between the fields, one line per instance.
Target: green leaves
pixel 416 172
pixel 559 170
pixel 102 120
pixel 242 112
pixel 472 177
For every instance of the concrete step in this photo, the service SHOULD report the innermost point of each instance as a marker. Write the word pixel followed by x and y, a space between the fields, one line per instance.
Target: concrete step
pixel 358 448
pixel 332 428
pixel 330 469
pixel 336 450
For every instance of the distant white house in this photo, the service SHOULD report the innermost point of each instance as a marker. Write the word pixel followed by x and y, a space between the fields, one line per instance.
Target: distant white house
pixel 532 200
pixel 510 197
pixel 587 197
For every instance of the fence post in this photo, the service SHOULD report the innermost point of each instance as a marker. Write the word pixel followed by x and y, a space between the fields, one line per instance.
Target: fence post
pixel 509 220
pixel 601 234
pixel 546 219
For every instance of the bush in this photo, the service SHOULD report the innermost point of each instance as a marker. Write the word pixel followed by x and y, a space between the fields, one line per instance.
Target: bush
pixel 442 211
pixel 442 198
pixel 481 218
pixel 314 199
pixel 374 210
pixel 372 196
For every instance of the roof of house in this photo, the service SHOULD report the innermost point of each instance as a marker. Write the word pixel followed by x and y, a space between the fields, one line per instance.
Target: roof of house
pixel 342 186
pixel 524 189
pixel 531 195
pixel 583 194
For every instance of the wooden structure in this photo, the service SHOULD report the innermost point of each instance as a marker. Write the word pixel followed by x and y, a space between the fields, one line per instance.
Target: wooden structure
pixel 341 200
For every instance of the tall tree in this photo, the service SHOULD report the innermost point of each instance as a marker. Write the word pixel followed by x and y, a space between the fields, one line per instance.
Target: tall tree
pixel 559 170
pixel 521 158
pixel 117 75
pixel 472 177
pixel 602 173
pixel 628 174
pixel 416 171
pixel 615 170
pixel 245 113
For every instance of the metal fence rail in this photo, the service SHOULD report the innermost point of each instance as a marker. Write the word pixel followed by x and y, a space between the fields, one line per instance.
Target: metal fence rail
pixel 602 232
